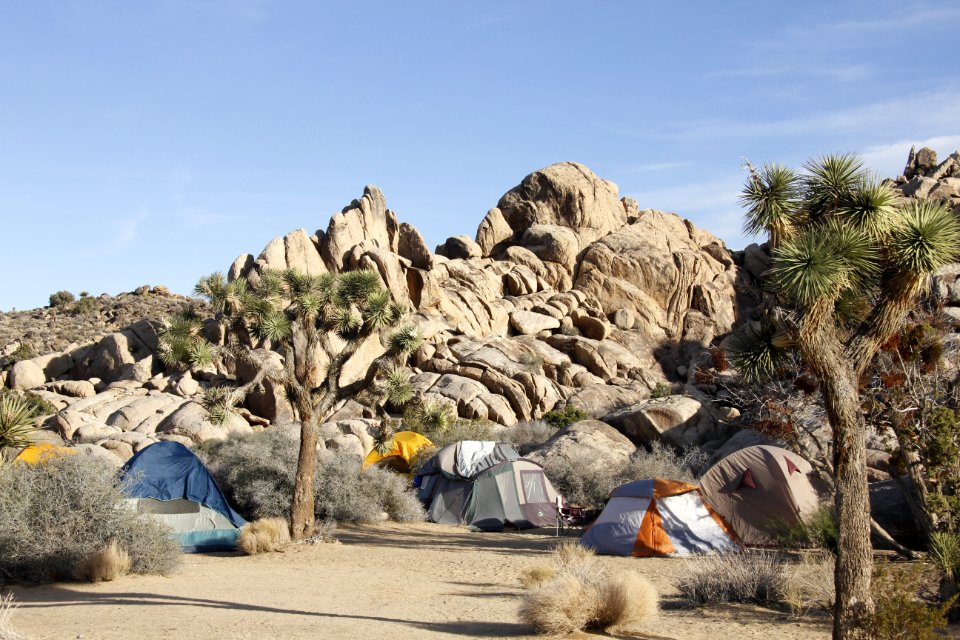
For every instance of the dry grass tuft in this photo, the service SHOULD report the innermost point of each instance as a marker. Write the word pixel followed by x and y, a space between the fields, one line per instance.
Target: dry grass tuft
pixel 626 599
pixel 534 576
pixel 570 555
pixel 746 576
pixel 264 536
pixel 563 606
pixel 7 607
pixel 580 594
pixel 808 584
pixel 105 565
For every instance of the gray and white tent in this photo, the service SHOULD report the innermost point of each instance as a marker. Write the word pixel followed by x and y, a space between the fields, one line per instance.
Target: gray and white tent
pixel 486 485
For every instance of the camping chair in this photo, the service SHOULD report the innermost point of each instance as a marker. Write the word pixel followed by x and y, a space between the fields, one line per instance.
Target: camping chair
pixel 569 515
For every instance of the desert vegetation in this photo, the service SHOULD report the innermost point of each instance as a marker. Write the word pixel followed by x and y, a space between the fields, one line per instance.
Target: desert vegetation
pixel 257 474
pixel 55 516
pixel 576 593
pixel 584 481
pixel 849 262
pixel 299 314
pixel 264 535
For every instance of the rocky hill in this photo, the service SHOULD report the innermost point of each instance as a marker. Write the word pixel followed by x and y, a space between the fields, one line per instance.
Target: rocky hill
pixel 568 295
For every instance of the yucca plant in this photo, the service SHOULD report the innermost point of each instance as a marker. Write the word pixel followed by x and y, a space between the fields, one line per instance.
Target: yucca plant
pixel 297 315
pixel 16 421
pixel 848 261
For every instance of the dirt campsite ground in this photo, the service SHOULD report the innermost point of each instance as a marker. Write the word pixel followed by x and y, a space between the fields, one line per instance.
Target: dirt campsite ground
pixel 385 581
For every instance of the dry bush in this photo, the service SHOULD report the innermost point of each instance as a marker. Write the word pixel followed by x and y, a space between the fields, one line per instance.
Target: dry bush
pixel 105 565
pixel 325 531
pixel 264 536
pixel 582 480
pixel 754 577
pixel 580 594
pixel 626 598
pixel 808 584
pixel 536 575
pixel 7 607
pixel 54 515
pixel 256 472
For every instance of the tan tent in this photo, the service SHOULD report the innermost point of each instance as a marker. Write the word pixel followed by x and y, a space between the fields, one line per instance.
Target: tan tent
pixel 759 490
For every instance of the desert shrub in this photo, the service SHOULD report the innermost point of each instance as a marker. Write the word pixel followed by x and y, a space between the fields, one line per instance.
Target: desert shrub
pixel 344 494
pixel 459 430
pixel 586 481
pixel 61 298
pixel 808 584
pixel 256 472
pixel 54 515
pixel 263 536
pixel 104 565
pixel 582 479
pixel 662 390
pixel 662 461
pixel 526 436
pixel 7 607
pixel 818 531
pixel 531 577
pixel 581 594
pixel 23 352
pixel 753 577
pixel 900 613
pixel 560 418
pixel 85 306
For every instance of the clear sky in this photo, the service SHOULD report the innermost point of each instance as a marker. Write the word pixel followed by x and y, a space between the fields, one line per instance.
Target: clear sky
pixel 152 141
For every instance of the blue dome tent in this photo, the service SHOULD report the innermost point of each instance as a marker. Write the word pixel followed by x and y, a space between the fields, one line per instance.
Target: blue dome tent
pixel 168 482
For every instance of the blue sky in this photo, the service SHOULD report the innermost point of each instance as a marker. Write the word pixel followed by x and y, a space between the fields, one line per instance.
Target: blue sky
pixel 151 142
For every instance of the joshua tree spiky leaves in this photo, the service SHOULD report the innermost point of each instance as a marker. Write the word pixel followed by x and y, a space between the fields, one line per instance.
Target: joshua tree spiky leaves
pixel 849 260
pixel 316 323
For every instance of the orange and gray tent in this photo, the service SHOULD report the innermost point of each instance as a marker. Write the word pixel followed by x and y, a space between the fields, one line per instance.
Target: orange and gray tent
pixel 658 518
pixel 403 450
pixel 41 453
pixel 486 485
pixel 760 490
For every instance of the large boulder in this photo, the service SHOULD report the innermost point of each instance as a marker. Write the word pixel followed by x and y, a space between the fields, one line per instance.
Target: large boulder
pixel 493 230
pixel 566 194
pixel 659 269
pixel 24 375
pixel 586 438
pixel 678 420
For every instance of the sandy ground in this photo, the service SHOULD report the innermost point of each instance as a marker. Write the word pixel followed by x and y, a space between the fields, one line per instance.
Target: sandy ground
pixel 385 581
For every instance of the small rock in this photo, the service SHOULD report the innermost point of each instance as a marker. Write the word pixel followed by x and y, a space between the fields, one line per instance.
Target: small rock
pixel 624 319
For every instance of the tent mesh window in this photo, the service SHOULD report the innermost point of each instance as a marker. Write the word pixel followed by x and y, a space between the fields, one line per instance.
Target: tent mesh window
pixel 534 489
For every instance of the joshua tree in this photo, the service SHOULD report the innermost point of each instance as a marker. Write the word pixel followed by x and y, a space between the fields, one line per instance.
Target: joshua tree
pixel 316 323
pixel 849 260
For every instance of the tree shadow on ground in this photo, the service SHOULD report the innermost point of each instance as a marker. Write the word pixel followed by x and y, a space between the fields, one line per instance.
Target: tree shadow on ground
pixel 57 596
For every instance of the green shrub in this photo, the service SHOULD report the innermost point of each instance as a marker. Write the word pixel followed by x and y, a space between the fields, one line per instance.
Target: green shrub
pixel 61 298
pixel 662 390
pixel 85 306
pixel 819 531
pixel 900 613
pixel 560 418
pixel 54 515
pixel 256 472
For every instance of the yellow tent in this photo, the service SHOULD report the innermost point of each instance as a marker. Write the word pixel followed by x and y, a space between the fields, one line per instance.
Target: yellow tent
pixel 405 446
pixel 39 453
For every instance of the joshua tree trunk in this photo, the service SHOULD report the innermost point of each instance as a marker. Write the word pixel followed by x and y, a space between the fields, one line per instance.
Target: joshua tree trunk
pixel 838 374
pixel 854 566
pixel 302 511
